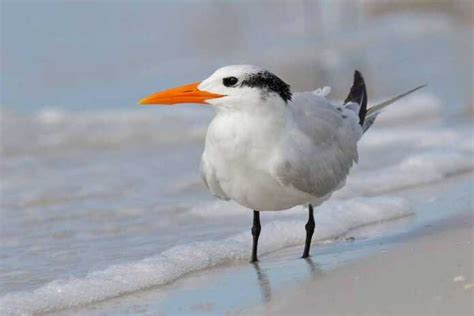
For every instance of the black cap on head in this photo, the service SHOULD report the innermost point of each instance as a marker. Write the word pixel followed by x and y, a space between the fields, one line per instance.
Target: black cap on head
pixel 268 82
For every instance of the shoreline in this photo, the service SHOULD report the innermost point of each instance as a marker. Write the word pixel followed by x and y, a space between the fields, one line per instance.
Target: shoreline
pixel 430 274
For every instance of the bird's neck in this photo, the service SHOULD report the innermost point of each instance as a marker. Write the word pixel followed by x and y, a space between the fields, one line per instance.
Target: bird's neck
pixel 271 109
pixel 253 127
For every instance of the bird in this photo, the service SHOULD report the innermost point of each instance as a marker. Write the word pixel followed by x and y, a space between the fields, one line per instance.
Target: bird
pixel 269 148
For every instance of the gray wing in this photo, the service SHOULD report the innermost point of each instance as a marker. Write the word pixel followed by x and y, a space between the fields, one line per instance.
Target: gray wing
pixel 320 148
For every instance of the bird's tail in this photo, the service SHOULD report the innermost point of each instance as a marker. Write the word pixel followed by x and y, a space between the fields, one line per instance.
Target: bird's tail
pixel 375 110
pixel 358 94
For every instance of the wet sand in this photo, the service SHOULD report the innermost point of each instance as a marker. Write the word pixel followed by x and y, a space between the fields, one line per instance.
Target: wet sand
pixel 430 273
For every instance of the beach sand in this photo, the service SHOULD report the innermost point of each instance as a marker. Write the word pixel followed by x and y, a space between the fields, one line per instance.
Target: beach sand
pixel 429 273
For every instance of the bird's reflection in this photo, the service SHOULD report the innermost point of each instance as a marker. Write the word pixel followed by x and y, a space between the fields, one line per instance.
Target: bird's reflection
pixel 314 268
pixel 264 283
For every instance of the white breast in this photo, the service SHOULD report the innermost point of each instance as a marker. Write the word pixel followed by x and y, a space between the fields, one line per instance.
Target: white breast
pixel 237 159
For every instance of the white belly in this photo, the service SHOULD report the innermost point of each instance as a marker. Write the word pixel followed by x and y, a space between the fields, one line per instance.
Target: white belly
pixel 258 190
pixel 235 165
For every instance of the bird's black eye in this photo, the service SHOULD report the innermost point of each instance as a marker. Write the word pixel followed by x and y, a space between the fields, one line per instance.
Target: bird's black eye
pixel 230 81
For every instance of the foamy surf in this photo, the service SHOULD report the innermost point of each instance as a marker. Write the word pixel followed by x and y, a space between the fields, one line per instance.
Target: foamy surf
pixel 57 130
pixel 334 219
pixel 416 169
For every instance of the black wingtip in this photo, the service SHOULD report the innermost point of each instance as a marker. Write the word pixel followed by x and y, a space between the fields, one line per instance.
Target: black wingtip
pixel 358 94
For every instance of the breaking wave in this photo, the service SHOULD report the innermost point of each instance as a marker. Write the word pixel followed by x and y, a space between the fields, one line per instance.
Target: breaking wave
pixel 334 219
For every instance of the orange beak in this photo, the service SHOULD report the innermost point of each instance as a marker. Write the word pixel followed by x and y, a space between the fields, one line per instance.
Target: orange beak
pixel 185 94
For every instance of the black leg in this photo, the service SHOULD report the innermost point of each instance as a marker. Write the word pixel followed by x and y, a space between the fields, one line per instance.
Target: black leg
pixel 255 233
pixel 309 232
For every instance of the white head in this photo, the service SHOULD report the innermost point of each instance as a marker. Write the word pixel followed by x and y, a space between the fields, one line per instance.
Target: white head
pixel 230 87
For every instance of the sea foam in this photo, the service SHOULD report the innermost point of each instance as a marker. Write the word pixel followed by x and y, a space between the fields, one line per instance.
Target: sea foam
pixel 333 219
pixel 417 169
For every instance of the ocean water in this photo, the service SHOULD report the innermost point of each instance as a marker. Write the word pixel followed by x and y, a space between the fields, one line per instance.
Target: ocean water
pixel 99 204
